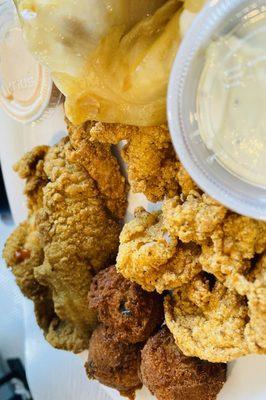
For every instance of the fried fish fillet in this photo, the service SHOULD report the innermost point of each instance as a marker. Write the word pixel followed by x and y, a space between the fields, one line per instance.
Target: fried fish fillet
pixel 102 167
pixel 208 322
pixel 150 257
pixel 22 252
pixel 71 232
pixel 252 285
pixel 153 168
pixel 220 324
pixel 229 241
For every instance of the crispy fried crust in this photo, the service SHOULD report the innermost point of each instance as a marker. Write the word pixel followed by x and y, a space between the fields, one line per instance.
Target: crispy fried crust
pixel 114 363
pixel 153 168
pixel 171 375
pixel 72 231
pixel 102 167
pixel 195 235
pixel 129 313
pixel 25 239
pixel 151 258
pixel 208 322
pixel 229 241
pixel 31 168
pixel 74 214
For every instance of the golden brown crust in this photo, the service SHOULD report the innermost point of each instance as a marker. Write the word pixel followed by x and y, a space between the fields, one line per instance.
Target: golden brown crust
pixel 30 167
pixel 72 230
pixel 130 314
pixel 195 234
pixel 171 375
pixel 113 362
pixel 252 284
pixel 103 168
pixel 74 214
pixel 212 260
pixel 151 258
pixel 208 322
pixel 25 237
pixel 153 168
pixel 228 241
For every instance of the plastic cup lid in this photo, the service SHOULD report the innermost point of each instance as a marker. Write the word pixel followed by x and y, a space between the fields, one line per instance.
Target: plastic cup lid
pixel 26 88
pixel 239 190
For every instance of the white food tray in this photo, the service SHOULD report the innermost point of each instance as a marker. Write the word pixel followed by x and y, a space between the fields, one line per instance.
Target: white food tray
pixel 57 375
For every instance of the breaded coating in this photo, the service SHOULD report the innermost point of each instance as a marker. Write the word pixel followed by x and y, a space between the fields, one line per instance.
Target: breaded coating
pixel 31 168
pixel 23 251
pixel 208 320
pixel 74 210
pixel 114 363
pixel 153 168
pixel 229 241
pixel 196 235
pixel 75 229
pixel 130 314
pixel 194 219
pixel 170 375
pixel 186 183
pixel 150 257
pixel 96 158
pixel 256 293
pixel 252 285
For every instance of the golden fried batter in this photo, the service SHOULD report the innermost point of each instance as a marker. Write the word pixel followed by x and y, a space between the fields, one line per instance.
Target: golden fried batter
pixel 23 251
pixel 216 319
pixel 74 213
pixel 153 168
pixel 219 324
pixel 148 256
pixel 229 241
pixel 252 284
pixel 208 322
pixel 30 167
pixel 256 294
pixel 96 158
pixel 72 230
pixel 194 219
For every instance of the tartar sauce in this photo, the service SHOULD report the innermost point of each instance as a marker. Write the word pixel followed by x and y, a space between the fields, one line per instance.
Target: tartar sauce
pixel 231 103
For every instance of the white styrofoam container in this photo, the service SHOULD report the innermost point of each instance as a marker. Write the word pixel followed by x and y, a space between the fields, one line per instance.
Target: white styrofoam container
pixel 57 375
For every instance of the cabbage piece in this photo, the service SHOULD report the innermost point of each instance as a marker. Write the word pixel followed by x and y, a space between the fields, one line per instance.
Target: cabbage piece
pixel 111 59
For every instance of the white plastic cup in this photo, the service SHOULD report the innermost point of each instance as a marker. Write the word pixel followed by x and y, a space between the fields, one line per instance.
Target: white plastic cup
pixel 217 19
pixel 27 92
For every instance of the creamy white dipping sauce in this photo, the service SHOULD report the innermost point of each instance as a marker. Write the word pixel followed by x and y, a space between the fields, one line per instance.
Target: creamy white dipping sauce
pixel 231 103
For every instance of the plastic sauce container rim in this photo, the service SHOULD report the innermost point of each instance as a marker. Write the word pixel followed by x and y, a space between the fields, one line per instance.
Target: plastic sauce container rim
pixel 33 112
pixel 204 25
pixel 47 96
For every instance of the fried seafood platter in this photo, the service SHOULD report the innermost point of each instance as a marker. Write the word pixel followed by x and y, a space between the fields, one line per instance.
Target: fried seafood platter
pixel 163 299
